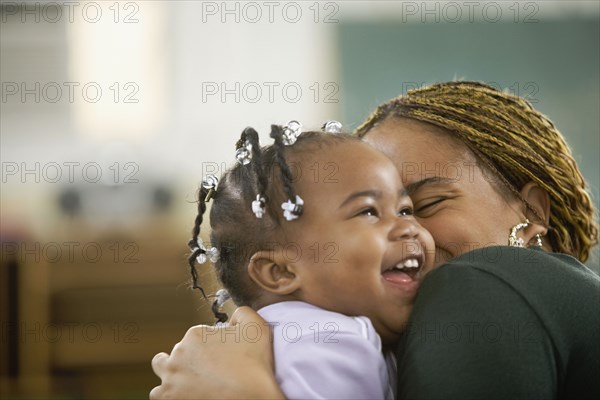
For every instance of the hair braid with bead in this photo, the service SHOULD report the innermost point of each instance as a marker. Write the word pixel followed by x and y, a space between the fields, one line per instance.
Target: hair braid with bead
pixel 286 175
pixel 193 243
pixel 235 230
pixel 262 180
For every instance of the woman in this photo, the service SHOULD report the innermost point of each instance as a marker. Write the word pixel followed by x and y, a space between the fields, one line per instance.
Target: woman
pixel 484 169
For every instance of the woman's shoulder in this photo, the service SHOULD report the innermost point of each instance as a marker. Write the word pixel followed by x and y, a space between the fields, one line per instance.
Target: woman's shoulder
pixel 520 265
pixel 509 282
pixel 491 304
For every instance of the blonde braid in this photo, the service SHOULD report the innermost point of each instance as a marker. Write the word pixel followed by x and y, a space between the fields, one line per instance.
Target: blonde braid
pixel 515 142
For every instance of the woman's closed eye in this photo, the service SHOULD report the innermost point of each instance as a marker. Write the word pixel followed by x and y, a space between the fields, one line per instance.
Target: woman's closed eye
pixel 428 206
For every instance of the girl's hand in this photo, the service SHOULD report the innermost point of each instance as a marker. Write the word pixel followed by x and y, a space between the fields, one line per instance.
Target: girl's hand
pixel 231 361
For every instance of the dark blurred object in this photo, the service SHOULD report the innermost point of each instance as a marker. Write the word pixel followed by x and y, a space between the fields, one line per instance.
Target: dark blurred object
pixel 9 309
pixel 115 204
pixel 162 198
pixel 70 202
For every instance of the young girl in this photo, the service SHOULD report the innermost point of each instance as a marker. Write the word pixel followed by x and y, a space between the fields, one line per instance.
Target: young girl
pixel 328 253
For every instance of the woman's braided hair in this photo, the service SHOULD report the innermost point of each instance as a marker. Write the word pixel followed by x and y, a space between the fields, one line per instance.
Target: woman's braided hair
pixel 514 141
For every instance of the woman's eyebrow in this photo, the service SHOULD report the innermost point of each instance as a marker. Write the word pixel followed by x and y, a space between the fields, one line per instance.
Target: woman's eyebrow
pixel 434 180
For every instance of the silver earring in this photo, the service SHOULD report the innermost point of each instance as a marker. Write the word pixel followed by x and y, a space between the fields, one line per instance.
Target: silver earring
pixel 513 241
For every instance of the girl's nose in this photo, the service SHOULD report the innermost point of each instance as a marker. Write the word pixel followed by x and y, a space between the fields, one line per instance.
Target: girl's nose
pixel 404 228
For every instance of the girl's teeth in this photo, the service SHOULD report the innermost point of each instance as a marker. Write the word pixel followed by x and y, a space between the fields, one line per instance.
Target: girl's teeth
pixel 410 263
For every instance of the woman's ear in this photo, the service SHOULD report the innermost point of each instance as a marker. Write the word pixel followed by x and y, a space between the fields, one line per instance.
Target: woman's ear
pixel 538 199
pixel 271 274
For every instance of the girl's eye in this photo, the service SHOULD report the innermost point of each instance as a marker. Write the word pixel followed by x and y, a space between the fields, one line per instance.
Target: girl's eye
pixel 369 212
pixel 406 211
pixel 430 204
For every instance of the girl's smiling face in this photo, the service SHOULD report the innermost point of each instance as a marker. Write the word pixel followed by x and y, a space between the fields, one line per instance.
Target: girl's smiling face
pixel 361 251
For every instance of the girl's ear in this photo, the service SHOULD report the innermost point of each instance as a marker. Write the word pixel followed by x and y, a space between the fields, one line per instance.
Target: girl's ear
pixel 272 274
pixel 539 200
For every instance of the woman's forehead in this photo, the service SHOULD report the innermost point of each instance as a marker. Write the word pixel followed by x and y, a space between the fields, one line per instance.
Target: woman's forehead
pixel 421 150
pixel 406 140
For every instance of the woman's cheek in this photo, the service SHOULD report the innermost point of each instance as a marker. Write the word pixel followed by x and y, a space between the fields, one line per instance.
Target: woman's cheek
pixel 446 247
pixel 432 227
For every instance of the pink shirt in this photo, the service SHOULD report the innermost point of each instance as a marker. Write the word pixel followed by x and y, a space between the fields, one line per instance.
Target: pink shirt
pixel 321 354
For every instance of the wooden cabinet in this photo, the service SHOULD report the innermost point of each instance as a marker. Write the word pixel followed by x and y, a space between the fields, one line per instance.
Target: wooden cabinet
pixel 83 314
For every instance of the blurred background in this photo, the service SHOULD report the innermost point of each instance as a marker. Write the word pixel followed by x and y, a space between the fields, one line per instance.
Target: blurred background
pixel 112 111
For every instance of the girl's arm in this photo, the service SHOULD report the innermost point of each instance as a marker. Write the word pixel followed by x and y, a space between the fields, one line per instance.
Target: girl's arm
pixel 211 363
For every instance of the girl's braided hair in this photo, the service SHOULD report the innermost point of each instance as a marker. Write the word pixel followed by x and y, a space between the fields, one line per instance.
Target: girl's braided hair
pixel 236 231
pixel 514 141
